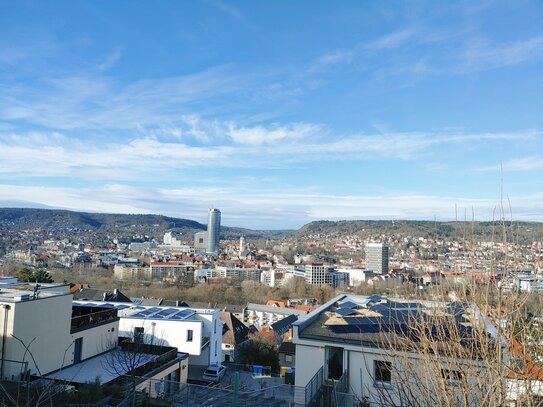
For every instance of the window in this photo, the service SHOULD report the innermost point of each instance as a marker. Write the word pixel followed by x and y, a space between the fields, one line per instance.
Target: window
pixel 189 335
pixel 288 358
pixel 138 334
pixel 382 371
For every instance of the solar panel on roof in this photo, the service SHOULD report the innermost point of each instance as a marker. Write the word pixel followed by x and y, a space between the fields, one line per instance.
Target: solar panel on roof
pixel 150 311
pixel 166 312
pixel 363 320
pixel 348 304
pixel 346 311
pixel 346 329
pixel 121 307
pixel 182 314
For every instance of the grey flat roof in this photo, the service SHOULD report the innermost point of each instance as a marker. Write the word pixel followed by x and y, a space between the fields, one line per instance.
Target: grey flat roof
pixel 97 367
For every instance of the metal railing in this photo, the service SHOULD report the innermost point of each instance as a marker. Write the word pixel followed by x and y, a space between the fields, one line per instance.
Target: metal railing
pixel 83 322
pixel 313 387
pixel 183 394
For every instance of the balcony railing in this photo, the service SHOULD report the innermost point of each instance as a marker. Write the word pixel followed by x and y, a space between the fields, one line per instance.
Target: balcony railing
pixel 83 322
pixel 205 342
pixel 313 388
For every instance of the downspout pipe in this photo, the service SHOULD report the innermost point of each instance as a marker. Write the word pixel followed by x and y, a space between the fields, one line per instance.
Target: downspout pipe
pixel 4 334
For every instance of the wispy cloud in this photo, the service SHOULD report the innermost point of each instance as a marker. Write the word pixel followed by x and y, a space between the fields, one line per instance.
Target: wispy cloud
pixel 276 133
pixel 393 39
pixel 483 56
pixel 226 8
pixel 110 60
pixel 530 163
pixel 98 102
pixel 336 57
pixel 219 145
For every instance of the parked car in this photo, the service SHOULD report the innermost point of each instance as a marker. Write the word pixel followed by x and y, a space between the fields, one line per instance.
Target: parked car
pixel 214 373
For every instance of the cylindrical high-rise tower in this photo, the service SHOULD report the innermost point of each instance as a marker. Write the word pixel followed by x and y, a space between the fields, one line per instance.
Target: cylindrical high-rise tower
pixel 213 230
pixel 241 244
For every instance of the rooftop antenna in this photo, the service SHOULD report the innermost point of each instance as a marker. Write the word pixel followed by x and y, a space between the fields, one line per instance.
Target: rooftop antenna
pixel 36 290
pixel 455 221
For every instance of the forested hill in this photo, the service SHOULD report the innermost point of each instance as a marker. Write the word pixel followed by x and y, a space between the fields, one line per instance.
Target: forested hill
pixel 55 220
pixel 15 219
pixel 524 231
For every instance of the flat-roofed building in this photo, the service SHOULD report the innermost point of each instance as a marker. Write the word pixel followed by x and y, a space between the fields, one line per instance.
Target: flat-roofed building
pixel 196 331
pixel 377 257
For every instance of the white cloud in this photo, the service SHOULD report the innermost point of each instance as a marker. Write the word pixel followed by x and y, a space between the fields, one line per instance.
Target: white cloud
pixel 110 60
pixel 394 39
pixel 483 56
pixel 96 102
pixel 156 154
pixel 336 57
pixel 530 163
pixel 274 134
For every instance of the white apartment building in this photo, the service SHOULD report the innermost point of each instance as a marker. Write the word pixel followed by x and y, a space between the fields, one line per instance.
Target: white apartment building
pixel 43 321
pixel 132 272
pixel 197 332
pixel 234 273
pixel 272 278
pixel 263 316
pixel 71 343
pixel 319 274
pixel 315 274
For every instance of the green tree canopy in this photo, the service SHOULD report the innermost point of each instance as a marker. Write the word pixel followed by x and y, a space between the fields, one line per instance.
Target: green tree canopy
pixel 39 275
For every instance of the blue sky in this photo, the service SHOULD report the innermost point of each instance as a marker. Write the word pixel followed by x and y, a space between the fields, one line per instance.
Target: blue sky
pixel 278 113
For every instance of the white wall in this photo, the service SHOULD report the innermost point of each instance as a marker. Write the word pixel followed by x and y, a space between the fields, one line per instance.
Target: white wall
pixel 309 359
pixel 46 319
pixel 167 333
pixel 174 333
pixel 96 340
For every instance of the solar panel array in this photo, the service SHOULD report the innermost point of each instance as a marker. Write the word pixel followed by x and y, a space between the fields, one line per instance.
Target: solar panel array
pixel 143 312
pixel 164 313
pixel 346 311
pixel 348 304
pixel 100 305
pixel 398 317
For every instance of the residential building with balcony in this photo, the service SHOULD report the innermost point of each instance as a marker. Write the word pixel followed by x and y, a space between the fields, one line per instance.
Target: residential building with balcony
pixel 48 336
pixel 370 349
pixel 197 332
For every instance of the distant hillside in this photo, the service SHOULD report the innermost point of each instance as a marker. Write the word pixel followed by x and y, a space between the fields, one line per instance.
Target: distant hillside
pixel 56 220
pixel 525 231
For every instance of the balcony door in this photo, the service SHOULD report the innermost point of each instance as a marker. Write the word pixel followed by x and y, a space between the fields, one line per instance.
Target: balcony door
pixel 78 347
pixel 334 362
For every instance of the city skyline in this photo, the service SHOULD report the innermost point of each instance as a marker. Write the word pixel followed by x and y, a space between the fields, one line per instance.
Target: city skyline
pixel 277 113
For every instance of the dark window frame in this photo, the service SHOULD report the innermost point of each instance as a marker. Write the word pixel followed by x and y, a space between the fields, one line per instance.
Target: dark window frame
pixel 382 371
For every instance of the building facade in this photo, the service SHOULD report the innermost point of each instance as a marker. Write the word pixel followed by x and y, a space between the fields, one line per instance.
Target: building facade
pixel 213 230
pixel 377 257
